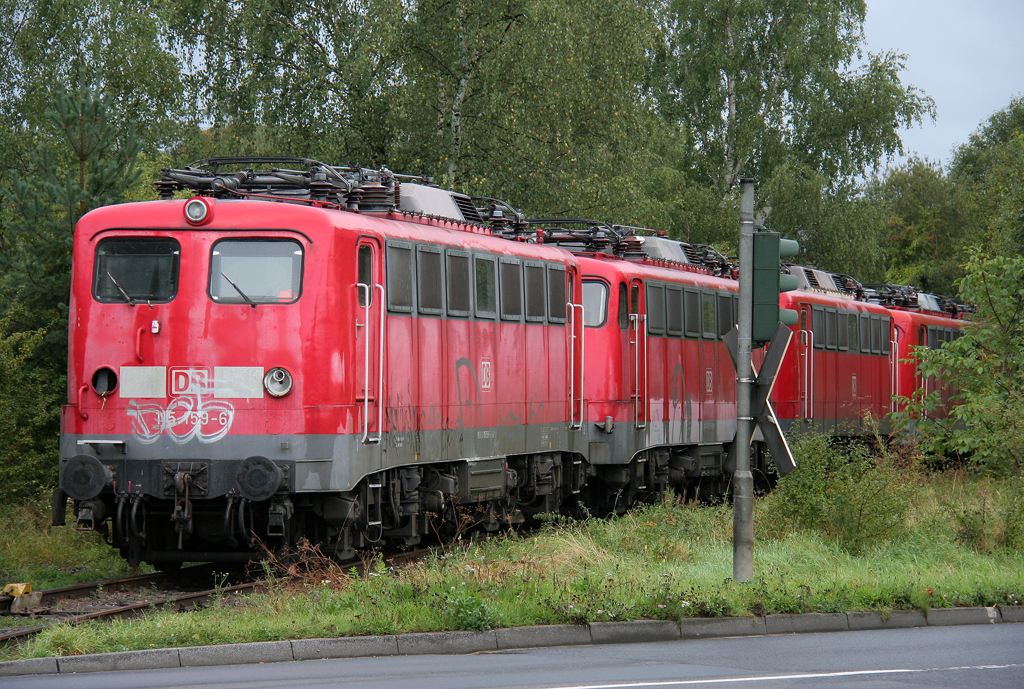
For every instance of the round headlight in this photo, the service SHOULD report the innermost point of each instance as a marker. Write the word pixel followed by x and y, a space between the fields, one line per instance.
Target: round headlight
pixel 278 382
pixel 196 210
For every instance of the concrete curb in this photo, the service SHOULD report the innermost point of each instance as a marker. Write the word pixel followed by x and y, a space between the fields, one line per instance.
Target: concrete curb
pixel 538 637
pixel 633 632
pixel 345 647
pixel 809 622
pixel 941 617
pixel 897 619
pixel 712 627
pixel 517 637
pixel 236 654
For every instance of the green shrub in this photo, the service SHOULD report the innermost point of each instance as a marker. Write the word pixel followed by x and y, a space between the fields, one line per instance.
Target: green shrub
pixel 842 492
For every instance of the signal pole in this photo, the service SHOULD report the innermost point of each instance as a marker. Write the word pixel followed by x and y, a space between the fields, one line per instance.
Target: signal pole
pixel 742 479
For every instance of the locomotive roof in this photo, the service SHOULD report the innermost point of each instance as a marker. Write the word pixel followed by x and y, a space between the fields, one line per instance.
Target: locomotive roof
pixel 417 200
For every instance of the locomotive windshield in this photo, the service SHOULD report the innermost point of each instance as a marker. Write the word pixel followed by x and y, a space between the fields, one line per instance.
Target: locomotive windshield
pixel 256 271
pixel 130 269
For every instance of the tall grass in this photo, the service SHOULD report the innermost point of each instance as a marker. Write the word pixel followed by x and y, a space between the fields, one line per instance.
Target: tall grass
pixel 47 557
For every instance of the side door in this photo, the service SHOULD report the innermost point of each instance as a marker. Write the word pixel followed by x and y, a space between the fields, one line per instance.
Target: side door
pixel 805 358
pixel 369 335
pixel 638 353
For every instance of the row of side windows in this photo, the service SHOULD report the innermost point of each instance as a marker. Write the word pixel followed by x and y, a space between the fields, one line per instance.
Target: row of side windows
pixel 848 331
pixel 679 311
pixel 432 280
pixel 937 336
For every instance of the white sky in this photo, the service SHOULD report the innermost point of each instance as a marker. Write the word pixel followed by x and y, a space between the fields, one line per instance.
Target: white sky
pixel 968 55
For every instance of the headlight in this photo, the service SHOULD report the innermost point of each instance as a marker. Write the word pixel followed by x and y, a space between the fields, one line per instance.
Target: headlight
pixel 278 382
pixel 196 210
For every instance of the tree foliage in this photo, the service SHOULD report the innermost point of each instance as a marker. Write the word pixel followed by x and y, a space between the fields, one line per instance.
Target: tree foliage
pixel 758 84
pixel 984 368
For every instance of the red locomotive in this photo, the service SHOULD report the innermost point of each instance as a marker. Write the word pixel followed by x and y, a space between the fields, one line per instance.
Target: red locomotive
pixel 350 356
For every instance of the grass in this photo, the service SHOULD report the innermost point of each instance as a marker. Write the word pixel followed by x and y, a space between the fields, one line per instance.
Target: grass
pixel 48 557
pixel 956 547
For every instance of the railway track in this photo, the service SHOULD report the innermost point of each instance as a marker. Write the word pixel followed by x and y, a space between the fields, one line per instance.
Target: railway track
pixel 164 596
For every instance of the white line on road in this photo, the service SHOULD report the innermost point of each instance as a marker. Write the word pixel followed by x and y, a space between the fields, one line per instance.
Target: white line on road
pixel 768 678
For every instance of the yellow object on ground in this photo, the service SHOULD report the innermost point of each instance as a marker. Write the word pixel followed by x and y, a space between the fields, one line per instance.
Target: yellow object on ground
pixel 17 589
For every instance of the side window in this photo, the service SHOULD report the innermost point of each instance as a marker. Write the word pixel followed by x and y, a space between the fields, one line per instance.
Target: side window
pixel 486 292
pixel 623 307
pixel 818 326
pixel 431 280
pixel 595 303
pixel 708 314
pixel 830 329
pixel 365 273
pixel 655 309
pixel 876 335
pixel 854 341
pixel 886 333
pixel 634 299
pixel 842 331
pixel 865 333
pixel 535 292
pixel 400 272
pixel 933 339
pixel 726 320
pixel 674 308
pixel 691 312
pixel 556 294
pixel 511 290
pixel 458 283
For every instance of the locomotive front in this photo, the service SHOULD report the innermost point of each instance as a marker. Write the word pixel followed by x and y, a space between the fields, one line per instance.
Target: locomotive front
pixel 190 321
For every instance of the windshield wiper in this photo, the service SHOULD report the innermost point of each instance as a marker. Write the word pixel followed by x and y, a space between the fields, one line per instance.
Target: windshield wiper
pixel 131 302
pixel 248 301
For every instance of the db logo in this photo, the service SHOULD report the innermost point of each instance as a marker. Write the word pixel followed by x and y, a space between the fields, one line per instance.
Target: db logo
pixel 190 381
pixel 709 380
pixel 485 374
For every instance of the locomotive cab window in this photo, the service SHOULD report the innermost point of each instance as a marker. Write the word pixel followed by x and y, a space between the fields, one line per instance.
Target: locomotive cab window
pixel 365 274
pixel 256 271
pixel 595 303
pixel 623 307
pixel 131 269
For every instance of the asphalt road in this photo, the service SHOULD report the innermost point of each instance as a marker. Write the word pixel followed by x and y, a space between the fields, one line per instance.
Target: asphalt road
pixel 989 656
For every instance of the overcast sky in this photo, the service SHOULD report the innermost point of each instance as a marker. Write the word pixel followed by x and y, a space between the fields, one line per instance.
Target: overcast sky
pixel 966 54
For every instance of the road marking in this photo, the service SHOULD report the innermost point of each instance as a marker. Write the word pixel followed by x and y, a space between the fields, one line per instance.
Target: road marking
pixel 768 678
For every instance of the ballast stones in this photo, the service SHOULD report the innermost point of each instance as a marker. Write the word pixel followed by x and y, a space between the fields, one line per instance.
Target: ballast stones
pixel 258 478
pixel 83 477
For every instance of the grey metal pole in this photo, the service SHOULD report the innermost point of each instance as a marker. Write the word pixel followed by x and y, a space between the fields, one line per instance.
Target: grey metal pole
pixel 742 479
